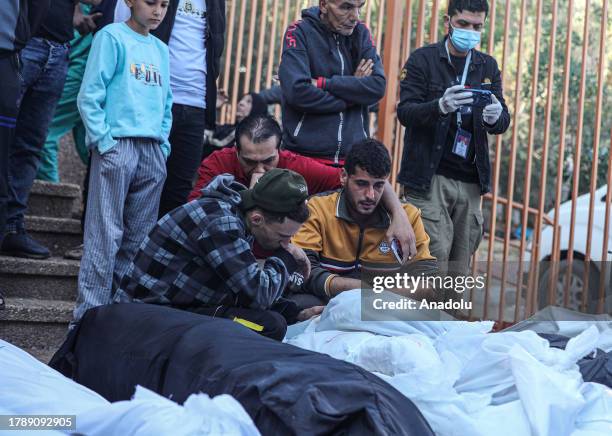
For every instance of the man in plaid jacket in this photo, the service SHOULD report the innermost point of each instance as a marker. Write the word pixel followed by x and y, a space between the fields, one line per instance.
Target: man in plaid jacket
pixel 199 256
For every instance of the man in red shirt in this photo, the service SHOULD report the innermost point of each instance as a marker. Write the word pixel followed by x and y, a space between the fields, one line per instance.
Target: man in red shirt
pixel 249 160
pixel 257 150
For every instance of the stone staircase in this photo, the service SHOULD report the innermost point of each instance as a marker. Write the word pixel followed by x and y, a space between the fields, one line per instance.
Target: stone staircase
pixel 40 294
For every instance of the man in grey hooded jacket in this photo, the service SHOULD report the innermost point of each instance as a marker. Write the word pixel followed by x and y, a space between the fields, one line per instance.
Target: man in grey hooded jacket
pixel 330 74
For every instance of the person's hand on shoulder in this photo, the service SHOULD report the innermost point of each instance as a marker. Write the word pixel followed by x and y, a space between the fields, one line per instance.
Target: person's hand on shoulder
pixel 401 229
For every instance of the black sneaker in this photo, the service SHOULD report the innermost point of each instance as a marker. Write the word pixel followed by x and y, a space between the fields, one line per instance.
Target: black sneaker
pixel 1 301
pixel 75 253
pixel 20 244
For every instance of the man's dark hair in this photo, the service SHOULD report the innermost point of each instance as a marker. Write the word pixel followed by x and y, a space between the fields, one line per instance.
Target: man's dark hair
pixel 371 155
pixel 300 215
pixel 258 128
pixel 458 6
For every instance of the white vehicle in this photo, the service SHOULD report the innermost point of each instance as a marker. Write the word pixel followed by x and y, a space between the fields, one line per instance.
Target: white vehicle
pixel 577 276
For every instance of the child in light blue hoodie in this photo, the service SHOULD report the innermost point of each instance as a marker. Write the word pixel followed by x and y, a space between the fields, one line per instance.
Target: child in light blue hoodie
pixel 125 102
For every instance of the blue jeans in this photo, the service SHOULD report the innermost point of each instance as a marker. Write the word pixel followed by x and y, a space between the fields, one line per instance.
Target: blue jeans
pixel 44 68
pixel 9 93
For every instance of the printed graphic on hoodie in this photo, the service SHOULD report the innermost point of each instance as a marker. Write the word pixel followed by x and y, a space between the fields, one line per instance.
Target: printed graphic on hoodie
pixel 148 74
pixel 290 39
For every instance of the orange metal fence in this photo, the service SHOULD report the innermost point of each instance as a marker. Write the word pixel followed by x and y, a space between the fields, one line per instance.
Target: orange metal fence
pixel 556 59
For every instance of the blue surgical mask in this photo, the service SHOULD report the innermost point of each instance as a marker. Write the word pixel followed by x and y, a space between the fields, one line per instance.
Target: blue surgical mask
pixel 464 40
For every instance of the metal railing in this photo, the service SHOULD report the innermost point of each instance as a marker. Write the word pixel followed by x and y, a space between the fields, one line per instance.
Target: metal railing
pixel 557 94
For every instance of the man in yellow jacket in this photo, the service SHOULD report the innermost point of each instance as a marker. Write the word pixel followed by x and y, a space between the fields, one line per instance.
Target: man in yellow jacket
pixel 345 234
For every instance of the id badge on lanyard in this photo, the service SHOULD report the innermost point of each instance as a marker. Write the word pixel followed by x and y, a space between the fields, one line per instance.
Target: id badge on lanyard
pixel 461 144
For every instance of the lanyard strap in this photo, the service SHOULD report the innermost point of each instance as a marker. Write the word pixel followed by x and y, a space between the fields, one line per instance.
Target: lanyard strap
pixel 463 76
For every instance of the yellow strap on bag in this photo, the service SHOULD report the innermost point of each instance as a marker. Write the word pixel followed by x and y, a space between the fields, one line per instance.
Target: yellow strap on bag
pixel 248 324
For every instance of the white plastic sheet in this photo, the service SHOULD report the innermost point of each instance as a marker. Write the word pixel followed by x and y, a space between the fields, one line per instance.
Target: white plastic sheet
pixel 466 381
pixel 565 322
pixel 151 414
pixel 27 386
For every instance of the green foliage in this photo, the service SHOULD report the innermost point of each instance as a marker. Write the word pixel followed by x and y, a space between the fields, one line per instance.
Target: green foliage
pixel 521 113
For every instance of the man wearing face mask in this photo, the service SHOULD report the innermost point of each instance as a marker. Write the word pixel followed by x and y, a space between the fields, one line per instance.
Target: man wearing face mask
pixel 445 165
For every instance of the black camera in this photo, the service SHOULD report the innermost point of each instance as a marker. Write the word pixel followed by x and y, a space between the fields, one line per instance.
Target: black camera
pixel 482 97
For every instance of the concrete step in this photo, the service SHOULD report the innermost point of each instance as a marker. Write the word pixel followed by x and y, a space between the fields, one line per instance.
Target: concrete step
pixel 57 234
pixel 37 326
pixel 51 279
pixel 58 200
